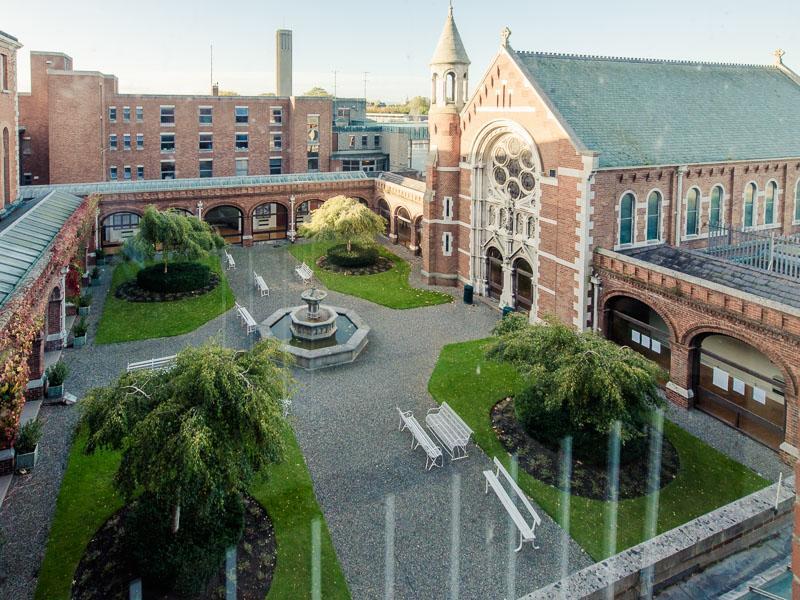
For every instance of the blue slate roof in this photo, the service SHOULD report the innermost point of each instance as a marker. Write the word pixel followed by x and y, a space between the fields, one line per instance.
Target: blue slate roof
pixel 25 241
pixel 638 112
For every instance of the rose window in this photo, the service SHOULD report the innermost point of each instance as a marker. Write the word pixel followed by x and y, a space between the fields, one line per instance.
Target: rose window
pixel 513 169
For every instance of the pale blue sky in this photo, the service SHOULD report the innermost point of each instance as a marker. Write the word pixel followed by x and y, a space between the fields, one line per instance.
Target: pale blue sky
pixel 159 46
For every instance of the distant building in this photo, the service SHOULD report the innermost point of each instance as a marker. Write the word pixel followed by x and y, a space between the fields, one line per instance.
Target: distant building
pixel 9 125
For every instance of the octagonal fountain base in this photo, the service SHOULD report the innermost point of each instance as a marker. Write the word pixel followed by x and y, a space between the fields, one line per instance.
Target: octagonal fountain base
pixel 342 346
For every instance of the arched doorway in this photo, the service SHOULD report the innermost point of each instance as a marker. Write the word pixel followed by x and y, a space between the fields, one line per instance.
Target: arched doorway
pixel 386 213
pixel 494 272
pixel 227 221
pixel 418 235
pixel 632 323
pixel 118 227
pixel 270 222
pixel 304 211
pixel 362 201
pixel 6 168
pixel 523 284
pixel 403 227
pixel 739 385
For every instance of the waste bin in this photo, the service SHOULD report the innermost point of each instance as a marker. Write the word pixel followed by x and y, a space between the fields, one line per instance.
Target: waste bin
pixel 507 310
pixel 468 293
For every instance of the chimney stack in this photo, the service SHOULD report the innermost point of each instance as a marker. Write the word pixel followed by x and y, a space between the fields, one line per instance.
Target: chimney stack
pixel 283 62
pixel 215 89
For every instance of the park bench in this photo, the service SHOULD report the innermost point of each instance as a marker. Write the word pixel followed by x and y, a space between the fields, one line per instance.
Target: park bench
pixel 449 429
pixel 499 480
pixel 229 262
pixel 304 272
pixel 261 285
pixel 153 364
pixel 420 438
pixel 247 319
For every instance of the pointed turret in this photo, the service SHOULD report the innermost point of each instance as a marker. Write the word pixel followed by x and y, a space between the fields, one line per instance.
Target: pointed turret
pixel 450 49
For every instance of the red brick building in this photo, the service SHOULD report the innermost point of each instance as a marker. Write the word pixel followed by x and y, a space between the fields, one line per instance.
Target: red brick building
pixel 9 155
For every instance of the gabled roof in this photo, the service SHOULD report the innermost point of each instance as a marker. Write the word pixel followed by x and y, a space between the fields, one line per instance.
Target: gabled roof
pixel 450 49
pixel 25 241
pixel 637 112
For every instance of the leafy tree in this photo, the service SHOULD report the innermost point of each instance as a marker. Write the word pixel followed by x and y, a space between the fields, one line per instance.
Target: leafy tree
pixel 228 93
pixel 342 218
pixel 579 384
pixel 173 234
pixel 192 439
pixel 419 105
pixel 317 91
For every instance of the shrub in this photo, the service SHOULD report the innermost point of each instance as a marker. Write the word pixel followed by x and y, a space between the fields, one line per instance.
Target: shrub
pixel 358 256
pixel 80 328
pixel 85 300
pixel 57 373
pixel 181 277
pixel 99 253
pixel 74 300
pixel 28 436
pixel 95 273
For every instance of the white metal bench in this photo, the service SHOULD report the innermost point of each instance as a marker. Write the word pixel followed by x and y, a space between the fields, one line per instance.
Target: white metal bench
pixel 260 284
pixel 499 480
pixel 420 438
pixel 154 364
pixel 247 319
pixel 304 272
pixel 229 262
pixel 449 429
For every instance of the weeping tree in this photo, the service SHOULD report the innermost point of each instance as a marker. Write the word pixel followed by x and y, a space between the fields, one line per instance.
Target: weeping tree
pixel 344 219
pixel 175 235
pixel 577 384
pixel 192 438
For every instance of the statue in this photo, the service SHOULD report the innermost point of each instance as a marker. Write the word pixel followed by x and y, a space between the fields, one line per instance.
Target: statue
pixel 504 35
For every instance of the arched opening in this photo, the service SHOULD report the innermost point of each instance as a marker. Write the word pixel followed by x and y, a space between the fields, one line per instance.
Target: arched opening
pixel 523 284
pixel 227 221
pixel 654 216
pixel 627 216
pixel 361 201
pixel 631 322
pixel 182 211
pixel 494 272
pixel 715 211
pixel 403 227
pixel 270 222
pixel 418 235
pixel 750 195
pixel 434 86
pixel 54 312
pixel 118 227
pixel 303 213
pixel 450 87
pixel 693 212
pixel 386 213
pixel 739 385
pixel 6 168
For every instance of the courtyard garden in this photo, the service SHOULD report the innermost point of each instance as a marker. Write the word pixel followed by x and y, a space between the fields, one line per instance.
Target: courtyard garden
pixel 481 379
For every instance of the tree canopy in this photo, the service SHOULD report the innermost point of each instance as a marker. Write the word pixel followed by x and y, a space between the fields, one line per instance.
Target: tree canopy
pixel 317 92
pixel 343 218
pixel 175 235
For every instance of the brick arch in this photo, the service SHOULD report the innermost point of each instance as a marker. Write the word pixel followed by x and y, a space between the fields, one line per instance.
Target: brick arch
pixel 249 214
pixel 115 210
pixel 654 306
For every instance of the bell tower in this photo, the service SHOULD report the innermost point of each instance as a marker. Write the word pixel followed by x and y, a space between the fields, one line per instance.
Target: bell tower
pixel 449 88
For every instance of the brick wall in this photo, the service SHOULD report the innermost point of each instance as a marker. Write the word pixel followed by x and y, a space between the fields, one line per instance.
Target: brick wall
pixel 9 139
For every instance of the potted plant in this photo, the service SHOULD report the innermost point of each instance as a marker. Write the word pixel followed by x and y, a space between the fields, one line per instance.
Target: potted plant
pixel 100 256
pixel 27 445
pixel 79 333
pixel 84 302
pixel 71 305
pixel 95 275
pixel 56 374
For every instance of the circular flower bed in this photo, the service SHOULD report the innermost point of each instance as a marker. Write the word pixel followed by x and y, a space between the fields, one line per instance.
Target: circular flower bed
pixel 588 480
pixel 131 292
pixel 382 264
pixel 105 571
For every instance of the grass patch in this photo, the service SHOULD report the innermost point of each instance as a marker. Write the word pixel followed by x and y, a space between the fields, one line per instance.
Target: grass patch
pixel 87 499
pixel 124 321
pixel 707 478
pixel 389 289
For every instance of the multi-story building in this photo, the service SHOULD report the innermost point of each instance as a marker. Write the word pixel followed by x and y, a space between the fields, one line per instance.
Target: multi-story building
pixel 9 124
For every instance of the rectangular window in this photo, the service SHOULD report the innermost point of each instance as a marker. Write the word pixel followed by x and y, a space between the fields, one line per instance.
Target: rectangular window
pixel 447 243
pixel 206 142
pixel 275 166
pixel 242 115
pixel 206 168
pixel 168 115
pixel 139 114
pixel 140 141
pixel 168 142
pixel 242 142
pixel 112 173
pixel 364 142
pixel 126 173
pixel 448 207
pixel 27 178
pixel 140 172
pixel 352 143
pixel 168 169
pixel 276 141
pixel 4 72
pixel 126 114
pixel 377 141
pixel 112 114
pixel 313 163
pixel 276 115
pixel 126 141
pixel 112 141
pixel 351 165
pixel 205 116
pixel 25 148
pixel 242 167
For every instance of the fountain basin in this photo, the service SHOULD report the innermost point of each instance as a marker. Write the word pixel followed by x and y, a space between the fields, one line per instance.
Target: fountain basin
pixel 341 346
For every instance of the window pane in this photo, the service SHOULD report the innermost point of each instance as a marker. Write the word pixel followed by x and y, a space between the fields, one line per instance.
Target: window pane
pixel 749 197
pixel 654 216
pixel 769 210
pixel 692 203
pixel 626 219
pixel 714 220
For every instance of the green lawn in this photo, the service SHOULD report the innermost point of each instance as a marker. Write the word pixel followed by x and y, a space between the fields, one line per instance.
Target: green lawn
pixel 707 479
pixel 87 499
pixel 124 321
pixel 387 289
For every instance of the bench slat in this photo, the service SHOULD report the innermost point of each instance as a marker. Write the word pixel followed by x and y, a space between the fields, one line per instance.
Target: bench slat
pixel 518 491
pixel 508 504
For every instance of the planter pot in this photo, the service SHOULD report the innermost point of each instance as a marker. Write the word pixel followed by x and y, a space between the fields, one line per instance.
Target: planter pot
pixel 83 310
pixel 55 391
pixel 28 460
pixel 71 309
pixel 79 341
pixel 85 280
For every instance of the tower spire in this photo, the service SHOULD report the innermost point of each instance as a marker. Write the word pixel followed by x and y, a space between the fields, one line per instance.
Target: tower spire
pixel 450 49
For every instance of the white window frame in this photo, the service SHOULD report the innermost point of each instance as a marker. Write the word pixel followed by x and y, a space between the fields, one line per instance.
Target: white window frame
pixel 698 227
pixel 128 110
pixel 161 142
pixel 447 243
pixel 140 138
pixel 775 203
pixel 161 115
pixel 200 116
pixel 126 142
pixel 618 241
pixel 246 116
pixel 113 142
pixel 236 135
pixel 269 164
pixel 139 114
pixel 139 169
pixel 110 118
pixel 113 173
pixel 447 207
pixel 722 200
pixel 127 173
pixel 273 115
pixel 209 135
pixel 755 205
pixel 200 167
pixel 174 169
pixel 660 236
pixel 236 163
pixel 272 137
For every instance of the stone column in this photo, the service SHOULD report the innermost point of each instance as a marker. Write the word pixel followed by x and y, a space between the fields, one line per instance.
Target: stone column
pixel 414 241
pixel 507 297
pixel 247 231
pixel 393 228
pixel 679 387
